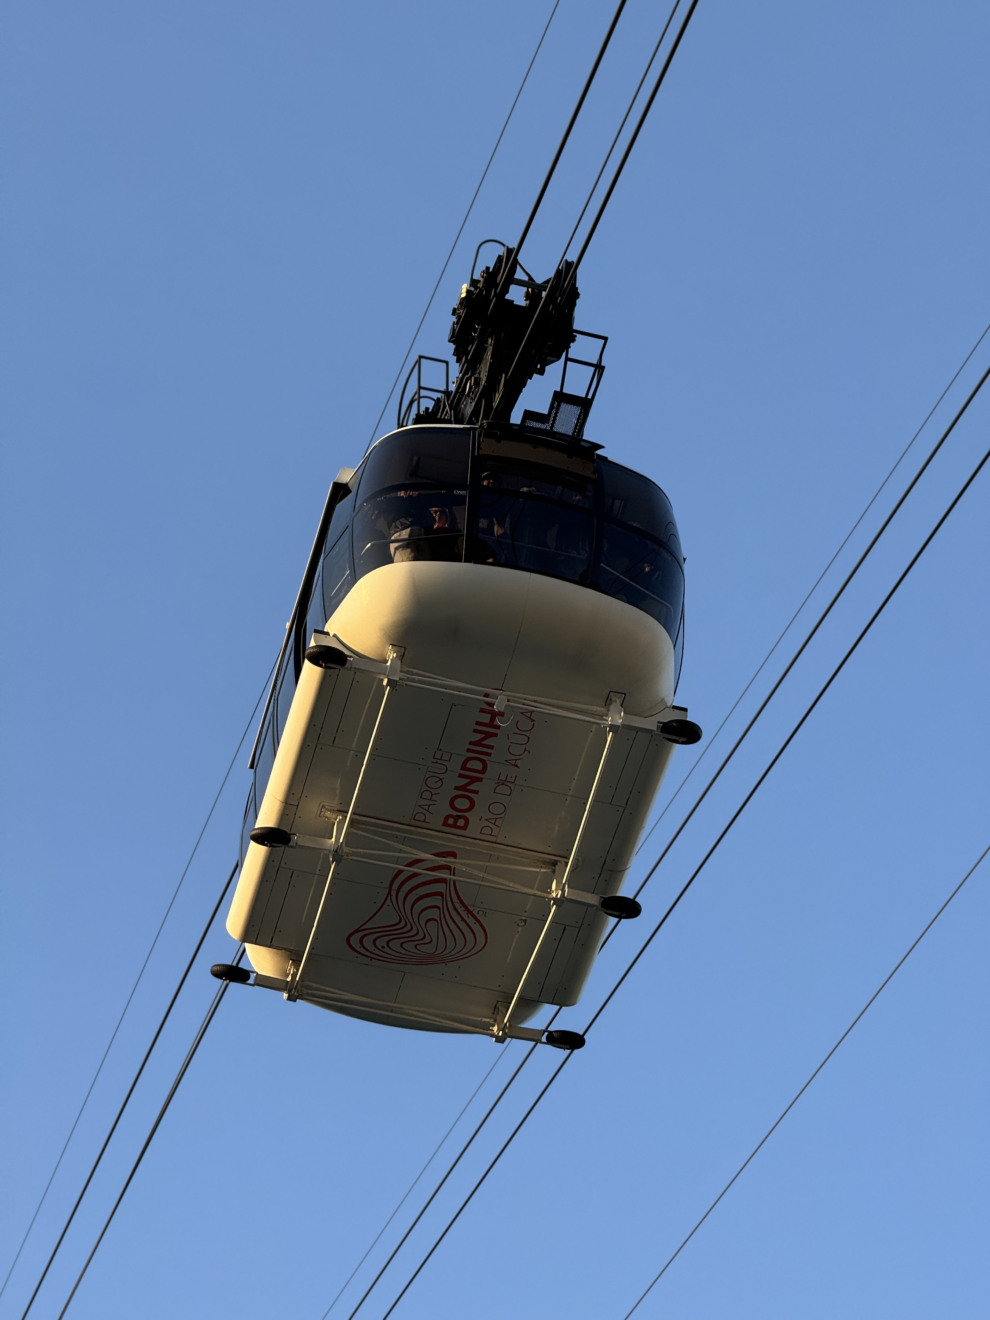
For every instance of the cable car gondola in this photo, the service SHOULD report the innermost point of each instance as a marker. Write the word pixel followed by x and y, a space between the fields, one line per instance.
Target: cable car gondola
pixel 473 708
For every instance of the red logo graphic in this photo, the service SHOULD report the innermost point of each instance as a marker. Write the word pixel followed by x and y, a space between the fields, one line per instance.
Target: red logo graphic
pixel 423 921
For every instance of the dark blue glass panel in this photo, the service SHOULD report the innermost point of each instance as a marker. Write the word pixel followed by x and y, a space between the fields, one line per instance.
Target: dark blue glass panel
pixel 642 573
pixel 337 577
pixel 266 756
pixel 398 526
pixel 316 615
pixel 342 515
pixel 614 531
pixel 421 457
pixel 630 498
pixel 250 816
pixel 518 530
pixel 286 691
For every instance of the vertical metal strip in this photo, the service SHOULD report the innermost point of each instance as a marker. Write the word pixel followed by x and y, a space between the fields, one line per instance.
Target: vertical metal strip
pixel 293 991
pixel 559 892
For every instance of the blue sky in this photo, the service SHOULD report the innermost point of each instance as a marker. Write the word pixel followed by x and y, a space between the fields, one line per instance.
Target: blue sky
pixel 221 225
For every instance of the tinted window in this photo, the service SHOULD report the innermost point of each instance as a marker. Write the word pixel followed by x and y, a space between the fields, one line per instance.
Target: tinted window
pixel 336 576
pixel 412 499
pixel 634 500
pixel 316 615
pixel 265 758
pixel 286 691
pixel 606 527
pixel 417 523
pixel 643 573
pixel 518 525
pixel 543 483
pixel 418 457
pixel 250 816
pixel 342 514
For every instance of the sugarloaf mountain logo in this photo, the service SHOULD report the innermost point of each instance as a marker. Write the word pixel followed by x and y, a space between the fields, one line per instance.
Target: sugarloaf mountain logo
pixel 422 921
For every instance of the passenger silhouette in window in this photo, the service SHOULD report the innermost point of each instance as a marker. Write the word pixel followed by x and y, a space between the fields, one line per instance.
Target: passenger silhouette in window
pixel 497 513
pixel 423 530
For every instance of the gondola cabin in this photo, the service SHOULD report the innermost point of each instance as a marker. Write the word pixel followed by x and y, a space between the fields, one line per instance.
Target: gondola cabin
pixel 469 721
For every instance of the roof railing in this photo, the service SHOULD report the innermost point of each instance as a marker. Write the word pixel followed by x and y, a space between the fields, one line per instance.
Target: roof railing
pixel 568 411
pixel 424 402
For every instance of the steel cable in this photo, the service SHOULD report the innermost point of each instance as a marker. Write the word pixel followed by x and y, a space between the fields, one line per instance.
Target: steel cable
pixel 776 1124
pixel 131 1089
pixel 568 130
pixel 818 623
pixel 137 982
pixel 460 231
pixel 811 591
pixel 618 132
pixel 539 198
pixel 572 273
pixel 635 135
pixel 440 1185
pixel 412 1186
pixel 183 1069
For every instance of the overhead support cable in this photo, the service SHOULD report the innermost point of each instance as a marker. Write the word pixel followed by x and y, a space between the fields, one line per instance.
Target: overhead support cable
pixel 412 1186
pixel 460 231
pixel 818 623
pixel 569 129
pixel 618 132
pixel 571 274
pixel 137 982
pixel 130 1090
pixel 813 588
pixel 183 1069
pixel 783 1114
pixel 440 1185
pixel 487 321
pixel 690 881
pixel 635 135
pixel 793 733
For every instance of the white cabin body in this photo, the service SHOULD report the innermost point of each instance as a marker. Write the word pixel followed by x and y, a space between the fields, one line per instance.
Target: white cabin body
pixel 453 791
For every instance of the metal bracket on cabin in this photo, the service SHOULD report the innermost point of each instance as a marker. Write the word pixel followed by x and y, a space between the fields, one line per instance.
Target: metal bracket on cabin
pixel 346 1001
pixel 614 709
pixel 499 345
pixel 330 845
pixel 502 1027
pixel 613 905
pixel 270 982
pixel 393 665
pixel 614 712
pixel 325 656
pixel 393 671
pixel 337 850
pixel 675 727
pixel 466 869
pixel 369 826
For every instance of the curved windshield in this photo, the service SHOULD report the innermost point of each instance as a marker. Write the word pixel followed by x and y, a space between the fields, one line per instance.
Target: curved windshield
pixel 538 520
pixel 641 561
pixel 641 572
pixel 412 499
pixel 428 494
